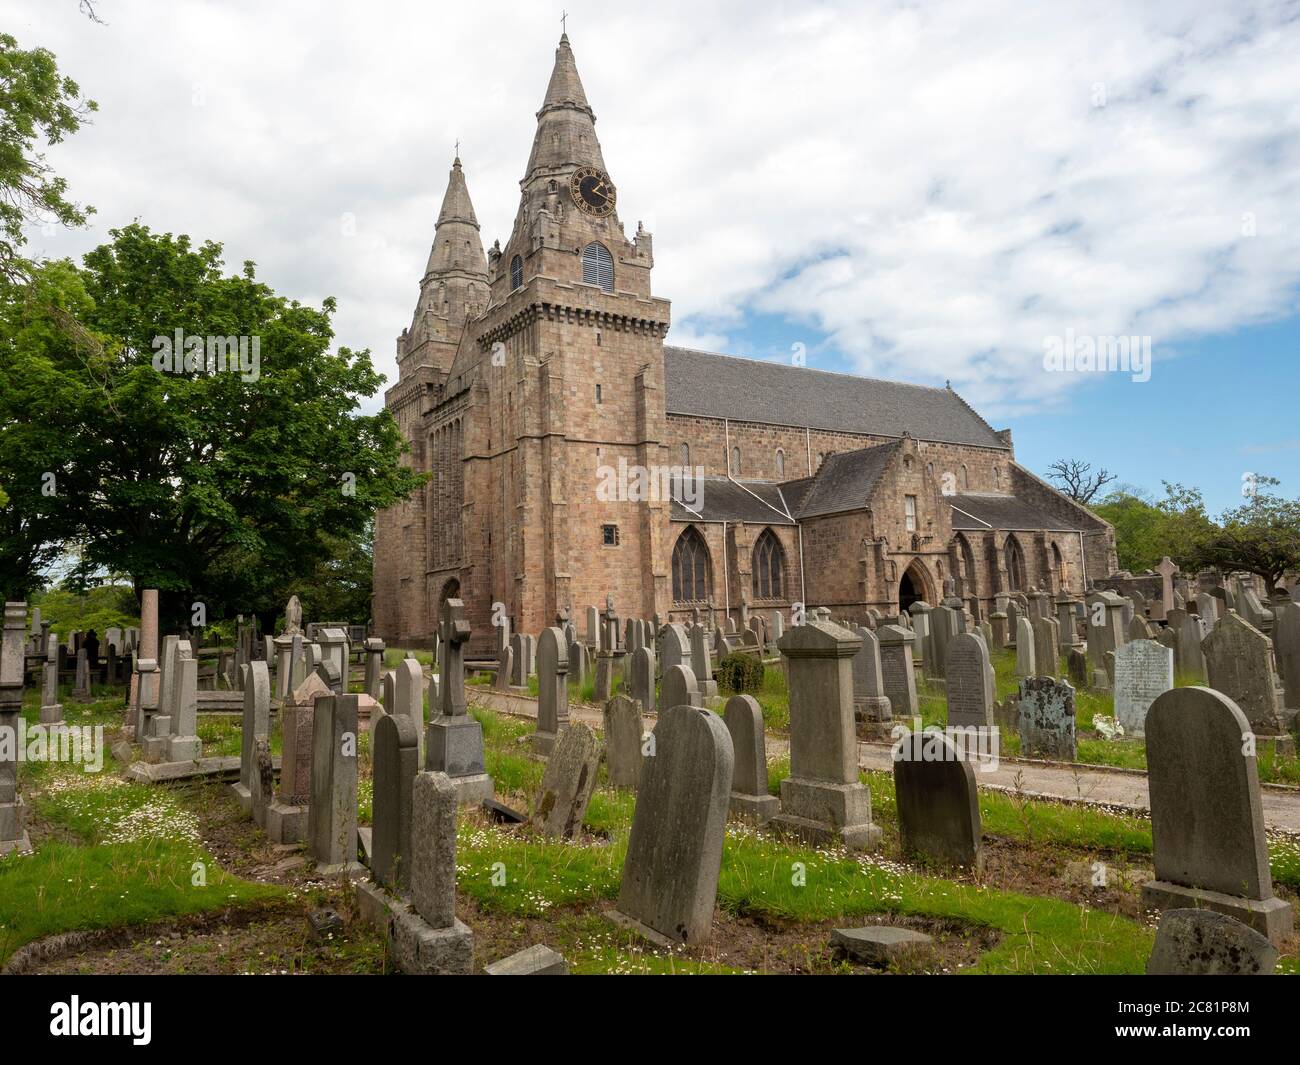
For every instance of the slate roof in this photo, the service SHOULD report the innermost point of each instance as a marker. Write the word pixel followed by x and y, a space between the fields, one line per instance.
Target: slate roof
pixel 978 511
pixel 845 480
pixel 727 500
pixel 725 386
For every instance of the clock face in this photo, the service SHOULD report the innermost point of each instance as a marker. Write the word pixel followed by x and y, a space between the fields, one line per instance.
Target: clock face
pixel 592 191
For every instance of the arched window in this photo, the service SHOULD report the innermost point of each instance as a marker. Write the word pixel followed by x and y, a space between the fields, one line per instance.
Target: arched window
pixel 1015 565
pixel 598 266
pixel 997 476
pixel 735 462
pixel 820 459
pixel 780 463
pixel 516 273
pixel 965 480
pixel 769 567
pixel 690 568
pixel 686 456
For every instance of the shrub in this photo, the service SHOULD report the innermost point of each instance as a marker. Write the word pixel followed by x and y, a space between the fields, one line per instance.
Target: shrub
pixel 740 672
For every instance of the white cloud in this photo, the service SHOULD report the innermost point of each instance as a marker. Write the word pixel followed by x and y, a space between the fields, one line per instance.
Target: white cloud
pixel 929 184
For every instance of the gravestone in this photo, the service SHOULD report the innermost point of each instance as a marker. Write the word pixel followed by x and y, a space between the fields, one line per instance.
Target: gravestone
pixel 822 799
pixel 623 729
pixel 1046 646
pixel 643 678
pixel 1140 629
pixel 749 795
pixel 51 708
pixel 938 809
pixel 1205 943
pixel 374 649
pixel 999 622
pixel 334 654
pixel 426 936
pixel 1239 663
pixel 1144 670
pixel 286 816
pixel 332 815
pixel 183 744
pixel 1207 821
pixel 674 854
pixel 679 687
pixel 579 670
pixel 256 724
pixel 606 663
pixel 518 661
pixel 702 663
pixel 13 810
pixel 1026 658
pixel 1046 719
pixel 81 689
pixel 1077 667
pixel 1104 614
pixel 1286 649
pixel 944 625
pixel 676 647
pixel 970 685
pixel 505 669
pixel 396 761
pixel 1189 632
pixel 453 741
pixel 567 783
pixel 552 689
pixel 869 700
pixel 897 671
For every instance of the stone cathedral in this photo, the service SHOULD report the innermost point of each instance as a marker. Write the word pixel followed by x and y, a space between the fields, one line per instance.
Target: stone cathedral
pixel 531 372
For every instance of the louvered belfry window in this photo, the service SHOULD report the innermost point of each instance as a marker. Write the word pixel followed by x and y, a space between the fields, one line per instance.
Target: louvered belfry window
pixel 516 273
pixel 598 266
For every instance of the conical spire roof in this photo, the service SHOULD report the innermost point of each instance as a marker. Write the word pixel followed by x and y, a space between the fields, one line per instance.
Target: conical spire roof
pixel 456 206
pixel 566 133
pixel 457 245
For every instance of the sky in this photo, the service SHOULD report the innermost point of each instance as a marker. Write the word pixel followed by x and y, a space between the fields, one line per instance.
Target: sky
pixel 927 191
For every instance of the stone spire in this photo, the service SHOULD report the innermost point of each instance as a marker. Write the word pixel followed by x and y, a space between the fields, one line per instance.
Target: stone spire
pixel 454 288
pixel 566 134
pixel 457 246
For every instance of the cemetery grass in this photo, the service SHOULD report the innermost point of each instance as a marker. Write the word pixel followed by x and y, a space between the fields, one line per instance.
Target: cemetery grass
pixel 766 921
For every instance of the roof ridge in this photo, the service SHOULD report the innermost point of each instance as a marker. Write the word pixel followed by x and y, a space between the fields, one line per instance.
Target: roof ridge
pixel 828 373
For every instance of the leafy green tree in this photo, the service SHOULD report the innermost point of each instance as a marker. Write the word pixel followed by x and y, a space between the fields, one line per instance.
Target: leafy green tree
pixel 36 104
pixel 231 488
pixel 1262 536
pixel 1146 530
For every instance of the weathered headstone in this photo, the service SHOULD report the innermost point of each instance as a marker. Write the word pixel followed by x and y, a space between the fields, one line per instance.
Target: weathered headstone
pixel 1046 719
pixel 750 798
pixel 970 682
pixel 674 853
pixel 869 700
pixel 552 689
pixel 1026 658
pixel 332 816
pixel 679 687
pixel 898 672
pixel 1144 670
pixel 624 730
pixel 1207 821
pixel 567 783
pixel 374 665
pixel 256 723
pixel 396 761
pixel 643 678
pixel 286 816
pixel 822 799
pixel 702 662
pixel 13 810
pixel 1239 663
pixel 1204 943
pixel 51 708
pixel 938 809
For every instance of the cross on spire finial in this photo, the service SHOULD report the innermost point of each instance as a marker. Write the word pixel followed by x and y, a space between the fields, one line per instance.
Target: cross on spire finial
pixel 564 22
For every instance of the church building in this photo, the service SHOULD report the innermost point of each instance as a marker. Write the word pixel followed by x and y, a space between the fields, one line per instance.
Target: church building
pixel 537 388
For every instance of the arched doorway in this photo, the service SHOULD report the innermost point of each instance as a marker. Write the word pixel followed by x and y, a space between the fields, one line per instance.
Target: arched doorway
pixel 450 590
pixel 912 587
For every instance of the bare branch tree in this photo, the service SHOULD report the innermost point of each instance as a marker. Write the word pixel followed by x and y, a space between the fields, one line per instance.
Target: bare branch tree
pixel 1076 479
pixel 88 9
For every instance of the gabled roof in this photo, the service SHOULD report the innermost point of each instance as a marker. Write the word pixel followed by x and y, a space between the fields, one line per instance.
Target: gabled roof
pixel 725 386
pixel 845 480
pixel 975 511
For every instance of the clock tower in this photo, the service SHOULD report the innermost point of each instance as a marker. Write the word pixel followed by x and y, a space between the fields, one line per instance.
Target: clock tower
pixel 562 381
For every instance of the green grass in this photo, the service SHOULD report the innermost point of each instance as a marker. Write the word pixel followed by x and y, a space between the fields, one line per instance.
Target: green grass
pixel 774 698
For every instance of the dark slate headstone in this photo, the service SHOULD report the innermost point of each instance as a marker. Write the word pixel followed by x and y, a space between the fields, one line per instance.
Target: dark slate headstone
pixel 749 795
pixel 938 809
pixel 624 729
